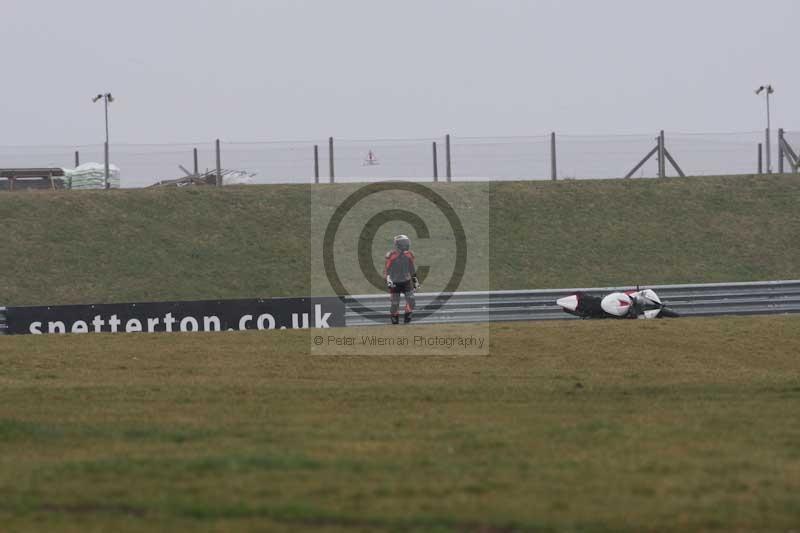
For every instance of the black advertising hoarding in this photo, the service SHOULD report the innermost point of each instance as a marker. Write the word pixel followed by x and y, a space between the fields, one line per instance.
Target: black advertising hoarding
pixel 210 315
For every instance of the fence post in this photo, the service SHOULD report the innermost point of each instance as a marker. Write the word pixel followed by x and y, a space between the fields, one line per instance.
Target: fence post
pixel 77 159
pixel 781 153
pixel 662 167
pixel 760 158
pixel 553 169
pixel 316 163
pixel 219 165
pixel 196 169
pixel 330 158
pixel 447 156
pixel 435 164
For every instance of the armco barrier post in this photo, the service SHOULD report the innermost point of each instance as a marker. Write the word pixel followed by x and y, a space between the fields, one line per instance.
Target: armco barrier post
pixel 553 169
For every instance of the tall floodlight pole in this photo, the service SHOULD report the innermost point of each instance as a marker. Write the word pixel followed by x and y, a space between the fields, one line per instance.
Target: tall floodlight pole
pixel 768 90
pixel 107 99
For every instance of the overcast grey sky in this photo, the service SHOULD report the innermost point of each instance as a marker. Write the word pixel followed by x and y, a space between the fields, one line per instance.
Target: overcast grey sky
pixel 188 70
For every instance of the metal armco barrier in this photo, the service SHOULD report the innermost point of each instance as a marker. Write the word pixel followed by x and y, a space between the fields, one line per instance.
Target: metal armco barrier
pixel 713 299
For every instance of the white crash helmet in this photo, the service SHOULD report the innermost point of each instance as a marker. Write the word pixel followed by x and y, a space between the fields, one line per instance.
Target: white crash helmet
pixel 402 243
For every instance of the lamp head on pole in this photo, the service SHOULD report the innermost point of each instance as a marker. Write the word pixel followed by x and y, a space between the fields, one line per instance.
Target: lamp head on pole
pixel 767 88
pixel 96 98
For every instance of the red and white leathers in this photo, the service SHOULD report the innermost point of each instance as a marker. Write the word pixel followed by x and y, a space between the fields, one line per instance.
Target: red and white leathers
pixel 401 277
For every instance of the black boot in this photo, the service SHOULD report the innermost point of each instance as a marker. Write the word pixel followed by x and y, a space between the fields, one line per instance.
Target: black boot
pixel 395 319
pixel 406 318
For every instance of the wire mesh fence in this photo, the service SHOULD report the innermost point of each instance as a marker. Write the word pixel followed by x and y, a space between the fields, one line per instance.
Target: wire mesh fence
pixel 270 162
pixel 38 156
pixel 140 164
pixel 366 160
pixel 503 158
pixel 421 159
pixel 717 153
pixel 607 156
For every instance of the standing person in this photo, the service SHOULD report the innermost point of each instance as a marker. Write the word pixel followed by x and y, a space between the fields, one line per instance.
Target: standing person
pixel 401 278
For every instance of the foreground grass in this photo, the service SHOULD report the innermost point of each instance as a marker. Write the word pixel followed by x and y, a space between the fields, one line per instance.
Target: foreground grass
pixel 247 242
pixel 663 425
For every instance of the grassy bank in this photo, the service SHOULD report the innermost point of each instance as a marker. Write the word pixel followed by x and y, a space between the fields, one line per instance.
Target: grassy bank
pixel 141 245
pixel 561 427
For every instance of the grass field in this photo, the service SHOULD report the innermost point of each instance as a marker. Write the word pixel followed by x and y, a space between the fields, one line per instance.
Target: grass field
pixel 246 242
pixel 585 426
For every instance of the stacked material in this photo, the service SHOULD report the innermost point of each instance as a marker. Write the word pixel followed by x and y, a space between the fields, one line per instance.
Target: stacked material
pixel 229 177
pixel 238 177
pixel 92 176
pixel 12 179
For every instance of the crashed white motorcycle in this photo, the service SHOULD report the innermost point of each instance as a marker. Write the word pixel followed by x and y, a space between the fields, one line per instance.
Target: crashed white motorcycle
pixel 643 304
